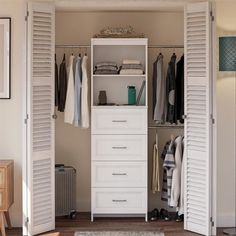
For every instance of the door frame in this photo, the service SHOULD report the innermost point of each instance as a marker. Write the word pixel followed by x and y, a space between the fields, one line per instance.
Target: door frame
pixel 214 141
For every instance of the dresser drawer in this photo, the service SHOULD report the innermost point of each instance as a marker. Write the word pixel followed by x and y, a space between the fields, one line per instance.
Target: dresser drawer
pixel 2 177
pixel 119 174
pixel 3 199
pixel 119 147
pixel 118 201
pixel 119 121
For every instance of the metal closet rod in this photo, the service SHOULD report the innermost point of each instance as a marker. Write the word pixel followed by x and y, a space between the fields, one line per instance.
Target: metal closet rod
pixel 88 46
pixel 166 127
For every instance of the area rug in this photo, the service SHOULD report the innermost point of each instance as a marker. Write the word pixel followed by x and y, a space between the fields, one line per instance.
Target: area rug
pixel 120 233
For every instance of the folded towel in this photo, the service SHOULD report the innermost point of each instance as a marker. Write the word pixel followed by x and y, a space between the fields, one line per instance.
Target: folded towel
pixel 106 63
pixel 132 66
pixel 106 67
pixel 131 72
pixel 127 61
pixel 106 72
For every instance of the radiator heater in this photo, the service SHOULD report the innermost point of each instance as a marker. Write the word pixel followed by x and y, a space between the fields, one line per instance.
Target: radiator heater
pixel 65 191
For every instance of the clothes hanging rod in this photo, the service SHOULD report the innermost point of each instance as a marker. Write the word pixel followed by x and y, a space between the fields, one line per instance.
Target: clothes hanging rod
pixel 166 46
pixel 88 46
pixel 166 127
pixel 72 46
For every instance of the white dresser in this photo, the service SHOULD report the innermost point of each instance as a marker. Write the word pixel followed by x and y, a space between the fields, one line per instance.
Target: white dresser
pixel 119 133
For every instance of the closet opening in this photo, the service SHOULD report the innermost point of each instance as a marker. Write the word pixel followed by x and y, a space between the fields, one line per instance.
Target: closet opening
pixel 76 149
pixel 127 112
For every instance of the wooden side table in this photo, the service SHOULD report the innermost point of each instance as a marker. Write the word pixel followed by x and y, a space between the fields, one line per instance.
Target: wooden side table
pixel 6 192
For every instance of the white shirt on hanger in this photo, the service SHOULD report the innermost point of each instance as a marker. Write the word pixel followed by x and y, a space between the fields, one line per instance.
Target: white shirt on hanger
pixel 84 95
pixel 70 94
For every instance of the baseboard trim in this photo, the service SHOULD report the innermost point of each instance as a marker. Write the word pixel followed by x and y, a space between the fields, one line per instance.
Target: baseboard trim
pixel 226 220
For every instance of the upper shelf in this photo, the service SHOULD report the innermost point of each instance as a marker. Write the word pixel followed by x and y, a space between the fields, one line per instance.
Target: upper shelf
pixel 118 75
pixel 119 41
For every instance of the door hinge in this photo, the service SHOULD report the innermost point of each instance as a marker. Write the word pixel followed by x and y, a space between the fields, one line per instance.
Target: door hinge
pixel 212 119
pixel 26 119
pixel 26 221
pixel 27 15
pixel 184 117
pixel 212 222
pixel 212 16
pixel 54 116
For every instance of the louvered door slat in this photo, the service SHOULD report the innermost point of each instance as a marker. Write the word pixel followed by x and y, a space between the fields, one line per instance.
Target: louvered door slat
pixel 41 125
pixel 197 124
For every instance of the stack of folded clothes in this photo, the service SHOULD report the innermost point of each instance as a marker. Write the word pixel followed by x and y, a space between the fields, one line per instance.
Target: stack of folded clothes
pixel 131 67
pixel 106 68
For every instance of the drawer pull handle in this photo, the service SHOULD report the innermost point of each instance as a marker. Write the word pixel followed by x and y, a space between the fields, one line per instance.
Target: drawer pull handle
pixel 121 174
pixel 119 147
pixel 114 200
pixel 119 121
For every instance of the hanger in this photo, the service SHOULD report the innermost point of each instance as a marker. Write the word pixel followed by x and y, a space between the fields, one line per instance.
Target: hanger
pixel 79 52
pixel 172 137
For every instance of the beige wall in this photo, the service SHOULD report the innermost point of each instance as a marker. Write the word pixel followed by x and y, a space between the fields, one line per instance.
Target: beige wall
pixel 73 144
pixel 11 117
pixel 226 124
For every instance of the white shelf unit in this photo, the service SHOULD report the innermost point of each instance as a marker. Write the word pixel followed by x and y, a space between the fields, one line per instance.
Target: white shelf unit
pixel 119 133
pixel 116 50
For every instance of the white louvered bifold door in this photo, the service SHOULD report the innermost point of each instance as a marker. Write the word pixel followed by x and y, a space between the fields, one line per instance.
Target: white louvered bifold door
pixel 198 124
pixel 40 106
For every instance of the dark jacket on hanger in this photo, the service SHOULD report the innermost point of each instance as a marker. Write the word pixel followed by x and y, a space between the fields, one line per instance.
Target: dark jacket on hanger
pixel 56 83
pixel 170 91
pixel 62 85
pixel 159 96
pixel 179 92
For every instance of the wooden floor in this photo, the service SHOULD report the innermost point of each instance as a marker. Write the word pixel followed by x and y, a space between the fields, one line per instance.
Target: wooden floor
pixel 67 227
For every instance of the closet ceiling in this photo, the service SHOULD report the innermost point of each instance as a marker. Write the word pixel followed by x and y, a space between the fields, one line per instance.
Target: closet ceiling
pixel 121 5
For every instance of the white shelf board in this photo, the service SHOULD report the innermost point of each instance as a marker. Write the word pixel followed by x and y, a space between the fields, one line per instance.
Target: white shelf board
pixel 119 107
pixel 119 41
pixel 118 75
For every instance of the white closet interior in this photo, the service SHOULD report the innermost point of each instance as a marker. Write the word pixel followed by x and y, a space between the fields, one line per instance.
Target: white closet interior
pixel 76 149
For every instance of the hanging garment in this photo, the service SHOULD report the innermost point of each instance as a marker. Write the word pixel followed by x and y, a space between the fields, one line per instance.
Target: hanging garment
pixel 62 85
pixel 164 196
pixel 70 95
pixel 84 94
pixel 181 201
pixel 156 186
pixel 179 92
pixel 169 165
pixel 159 88
pixel 78 84
pixel 170 91
pixel 56 83
pixel 176 175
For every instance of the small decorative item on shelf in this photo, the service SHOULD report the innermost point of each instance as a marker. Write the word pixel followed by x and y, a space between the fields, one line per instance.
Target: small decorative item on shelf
pixel 131 95
pixel 102 98
pixel 118 32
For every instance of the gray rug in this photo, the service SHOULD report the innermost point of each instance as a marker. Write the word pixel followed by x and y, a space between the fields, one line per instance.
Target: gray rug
pixel 120 233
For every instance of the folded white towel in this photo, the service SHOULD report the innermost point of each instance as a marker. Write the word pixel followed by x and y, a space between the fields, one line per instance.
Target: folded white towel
pixel 127 61
pixel 131 72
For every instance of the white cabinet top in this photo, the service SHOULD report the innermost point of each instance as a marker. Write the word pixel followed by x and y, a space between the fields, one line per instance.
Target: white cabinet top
pixel 119 41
